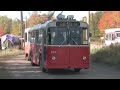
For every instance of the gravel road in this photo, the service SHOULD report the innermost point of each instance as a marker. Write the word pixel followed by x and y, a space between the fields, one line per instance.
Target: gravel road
pixel 18 68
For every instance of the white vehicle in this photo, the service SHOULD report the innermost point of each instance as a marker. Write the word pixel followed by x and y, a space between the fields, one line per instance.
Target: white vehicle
pixel 112 36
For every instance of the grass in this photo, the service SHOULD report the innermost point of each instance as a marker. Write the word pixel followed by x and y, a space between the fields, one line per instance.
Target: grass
pixel 109 55
pixel 11 52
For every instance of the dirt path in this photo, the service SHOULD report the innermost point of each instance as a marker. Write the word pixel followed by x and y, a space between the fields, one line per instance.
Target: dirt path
pixel 18 68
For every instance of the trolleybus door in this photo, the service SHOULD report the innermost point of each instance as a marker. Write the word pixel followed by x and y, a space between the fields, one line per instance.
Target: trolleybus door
pixel 77 50
pixel 58 48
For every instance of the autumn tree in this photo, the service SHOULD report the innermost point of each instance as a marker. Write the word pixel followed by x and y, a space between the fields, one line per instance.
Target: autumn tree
pixel 94 21
pixel 5 23
pixel 1 31
pixel 109 19
pixel 49 12
pixel 84 19
pixel 16 24
pixel 35 18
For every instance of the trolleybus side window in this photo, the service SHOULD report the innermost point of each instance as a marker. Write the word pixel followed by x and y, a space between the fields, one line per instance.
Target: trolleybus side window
pixel 37 36
pixel 84 37
pixel 49 37
pixel 29 36
pixel 25 37
pixel 33 37
pixel 40 37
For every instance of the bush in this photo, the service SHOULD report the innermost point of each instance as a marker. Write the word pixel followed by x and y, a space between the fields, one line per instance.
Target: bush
pixel 11 52
pixel 96 40
pixel 108 55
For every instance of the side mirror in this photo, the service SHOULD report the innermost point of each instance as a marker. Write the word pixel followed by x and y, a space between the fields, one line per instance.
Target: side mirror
pixel 90 34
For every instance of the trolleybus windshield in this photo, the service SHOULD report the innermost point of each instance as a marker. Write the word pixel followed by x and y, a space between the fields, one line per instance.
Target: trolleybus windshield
pixel 65 36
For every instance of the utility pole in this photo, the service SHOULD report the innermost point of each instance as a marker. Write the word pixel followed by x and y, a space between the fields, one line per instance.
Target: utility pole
pixel 21 23
pixel 88 20
pixel 89 26
pixel 26 22
pixel 93 24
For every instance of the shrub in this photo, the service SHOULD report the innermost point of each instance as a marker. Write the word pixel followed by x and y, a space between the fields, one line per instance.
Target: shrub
pixel 11 52
pixel 108 55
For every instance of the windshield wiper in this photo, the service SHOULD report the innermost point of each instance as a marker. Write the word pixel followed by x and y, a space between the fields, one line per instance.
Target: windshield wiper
pixel 63 42
pixel 74 41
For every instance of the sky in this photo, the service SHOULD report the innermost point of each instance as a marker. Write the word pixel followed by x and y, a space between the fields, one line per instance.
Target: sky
pixel 78 15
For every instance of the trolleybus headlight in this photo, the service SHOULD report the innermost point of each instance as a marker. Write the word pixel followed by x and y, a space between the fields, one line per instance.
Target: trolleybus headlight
pixel 84 58
pixel 53 58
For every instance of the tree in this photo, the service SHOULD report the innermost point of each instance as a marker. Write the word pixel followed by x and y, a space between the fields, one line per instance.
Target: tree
pixel 48 13
pixel 84 19
pixel 1 31
pixel 16 27
pixel 5 23
pixel 109 19
pixel 36 18
pixel 94 21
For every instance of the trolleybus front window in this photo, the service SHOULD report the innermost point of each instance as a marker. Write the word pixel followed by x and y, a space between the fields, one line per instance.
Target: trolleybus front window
pixel 75 36
pixel 78 36
pixel 56 36
pixel 65 36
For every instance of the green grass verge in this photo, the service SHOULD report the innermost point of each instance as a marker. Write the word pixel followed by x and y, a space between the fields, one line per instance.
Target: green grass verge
pixel 11 52
pixel 109 55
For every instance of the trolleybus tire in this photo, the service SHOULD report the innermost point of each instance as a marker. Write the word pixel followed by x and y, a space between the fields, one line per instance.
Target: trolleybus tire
pixel 77 69
pixel 32 61
pixel 42 67
pixel 27 58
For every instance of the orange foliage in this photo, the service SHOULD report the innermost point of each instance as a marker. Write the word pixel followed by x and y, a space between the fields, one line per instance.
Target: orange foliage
pixel 109 19
pixel 1 32
pixel 36 19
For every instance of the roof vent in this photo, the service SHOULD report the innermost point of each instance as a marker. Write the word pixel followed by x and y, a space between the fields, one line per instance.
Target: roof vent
pixel 70 17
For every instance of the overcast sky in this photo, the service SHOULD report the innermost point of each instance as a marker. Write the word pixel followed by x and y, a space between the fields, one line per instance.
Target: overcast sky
pixel 16 14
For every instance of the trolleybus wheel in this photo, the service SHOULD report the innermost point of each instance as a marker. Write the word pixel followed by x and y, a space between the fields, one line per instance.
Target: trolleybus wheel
pixel 39 58
pixel 77 69
pixel 32 61
pixel 27 58
pixel 42 67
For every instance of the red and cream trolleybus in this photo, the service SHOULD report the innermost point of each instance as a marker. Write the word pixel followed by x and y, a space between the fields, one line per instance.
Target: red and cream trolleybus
pixel 27 44
pixel 60 44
